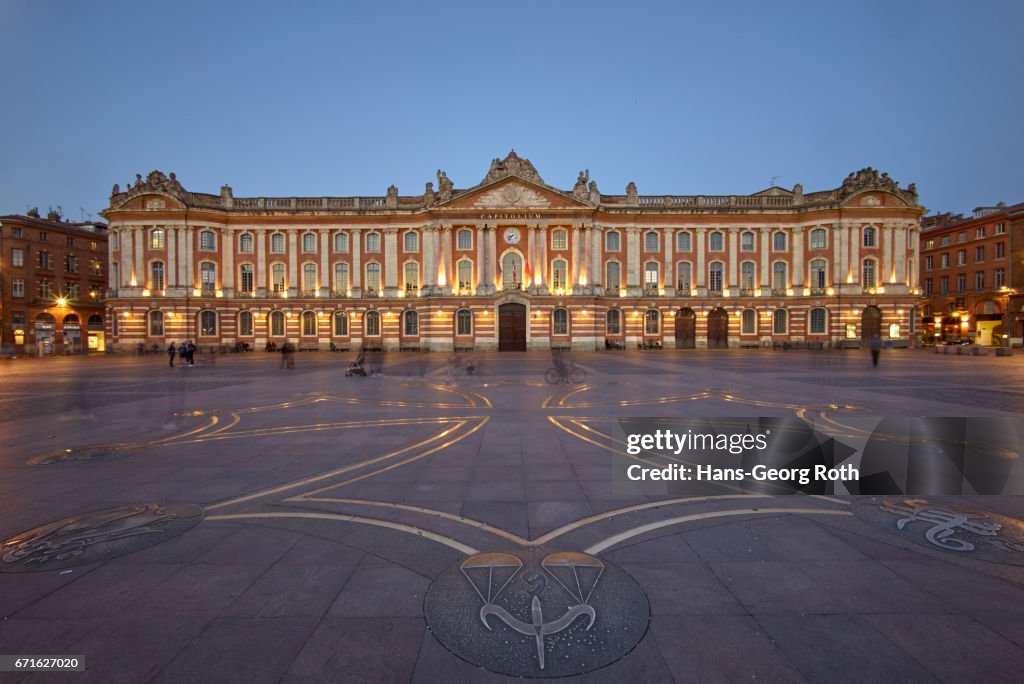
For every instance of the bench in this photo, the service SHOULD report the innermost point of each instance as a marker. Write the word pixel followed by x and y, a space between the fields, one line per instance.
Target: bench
pixel 615 344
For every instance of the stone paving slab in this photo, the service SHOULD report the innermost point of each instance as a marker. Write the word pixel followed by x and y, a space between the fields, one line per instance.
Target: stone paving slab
pixel 333 505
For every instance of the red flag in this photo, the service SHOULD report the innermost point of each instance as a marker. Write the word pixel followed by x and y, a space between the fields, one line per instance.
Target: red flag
pixel 526 270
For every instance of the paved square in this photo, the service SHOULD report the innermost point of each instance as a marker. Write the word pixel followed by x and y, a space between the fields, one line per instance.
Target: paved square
pixel 364 528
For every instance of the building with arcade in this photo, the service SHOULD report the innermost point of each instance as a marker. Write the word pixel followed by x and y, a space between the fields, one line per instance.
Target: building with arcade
pixel 513 263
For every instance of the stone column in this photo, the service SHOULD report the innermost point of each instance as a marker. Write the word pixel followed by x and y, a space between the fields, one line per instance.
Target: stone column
pixel 390 262
pixel 227 246
pixel 766 253
pixel 429 255
pixel 293 262
pixel 128 252
pixel 668 235
pixel 492 254
pixel 261 263
pixel 325 264
pixel 733 280
pixel 575 259
pixel 840 265
pixel 451 277
pixel 172 258
pixel 855 238
pixel 888 254
pixel 190 259
pixel 797 277
pixel 903 234
pixel 356 243
pixel 481 271
pixel 701 275
pixel 596 267
pixel 634 283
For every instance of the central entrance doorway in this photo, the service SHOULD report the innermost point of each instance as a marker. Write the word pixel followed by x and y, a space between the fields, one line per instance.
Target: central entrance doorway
pixel 686 329
pixel 512 327
pixel 718 329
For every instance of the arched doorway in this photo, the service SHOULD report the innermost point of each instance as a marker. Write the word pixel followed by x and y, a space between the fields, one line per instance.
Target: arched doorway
pixel 870 323
pixel 686 329
pixel 72 329
pixel 46 331
pixel 512 327
pixel 718 329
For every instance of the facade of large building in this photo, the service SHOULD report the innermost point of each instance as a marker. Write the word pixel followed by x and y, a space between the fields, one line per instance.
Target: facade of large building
pixel 972 274
pixel 514 263
pixel 52 280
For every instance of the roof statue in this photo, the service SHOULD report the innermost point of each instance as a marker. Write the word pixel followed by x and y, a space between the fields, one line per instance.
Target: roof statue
pixel 512 165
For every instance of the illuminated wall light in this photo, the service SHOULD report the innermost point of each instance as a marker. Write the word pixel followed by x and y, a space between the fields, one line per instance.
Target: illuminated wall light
pixel 145 293
pixel 789 292
pixel 220 293
pixel 830 292
pixel 195 292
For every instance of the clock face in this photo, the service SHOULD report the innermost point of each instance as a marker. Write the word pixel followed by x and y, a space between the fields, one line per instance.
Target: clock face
pixel 511 236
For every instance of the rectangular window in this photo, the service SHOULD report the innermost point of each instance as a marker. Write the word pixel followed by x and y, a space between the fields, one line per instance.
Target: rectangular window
pixel 559 239
pixel 683 243
pixel 309 243
pixel 277 243
pixel 944 285
pixel 928 287
pixel 611 241
pixel 71 242
pixel 245 243
pixel 17 257
pixel 928 244
pixel 817 322
pixel 979 232
pixel 207 240
pixel 43 237
pixel 979 255
pixel 612 277
pixel 944 260
pixel 1000 228
pixel 465 274
pixel 747 242
pixel 779 242
pixel 961 236
pixel 73 291
pixel 15 232
pixel 464 240
pixel 979 281
pixel 70 264
pixel 945 240
pixel 1000 277
pixel 1000 250
pixel 208 277
pixel 247 278
pixel 18 288
pixel 156 239
pixel 341 242
pixel 928 260
pixel 961 283
pixel 961 257
pixel 819 239
pixel 373 242
pixel 44 260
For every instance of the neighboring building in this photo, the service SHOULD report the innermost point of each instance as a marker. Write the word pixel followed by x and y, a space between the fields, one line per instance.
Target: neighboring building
pixel 52 280
pixel 514 263
pixel 972 276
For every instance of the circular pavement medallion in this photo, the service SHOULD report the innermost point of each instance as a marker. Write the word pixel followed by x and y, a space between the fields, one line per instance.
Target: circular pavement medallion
pixel 537 612
pixel 97 536
pixel 952 527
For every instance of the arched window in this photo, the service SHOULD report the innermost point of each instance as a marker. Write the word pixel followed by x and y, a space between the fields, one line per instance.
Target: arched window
pixel 780 322
pixel 819 270
pixel 870 236
pixel 465 274
pixel 612 241
pixel 309 326
pixel 373 242
pixel 410 323
pixel 156 323
pixel 559 239
pixel 651 279
pixel 156 238
pixel 247 279
pixel 208 277
pixel 309 277
pixel 818 322
pixel 412 241
pixel 748 322
pixel 613 322
pixel 464 239
pixel 560 322
pixel 308 242
pixel 277 278
pixel 819 239
pixel 245 243
pixel 341 278
pixel 340 324
pixel 684 277
pixel 868 273
pixel 156 270
pixel 613 277
pixel 746 277
pixel 779 279
pixel 559 269
pixel 412 276
pixel 463 322
pixel 683 241
pixel 779 241
pixel 716 243
pixel 373 324
pixel 652 322
pixel 207 240
pixel 277 243
pixel 373 277
pixel 715 276
pixel 208 323
pixel 511 271
pixel 245 323
pixel 747 242
pixel 277 323
pixel 341 242
pixel 650 241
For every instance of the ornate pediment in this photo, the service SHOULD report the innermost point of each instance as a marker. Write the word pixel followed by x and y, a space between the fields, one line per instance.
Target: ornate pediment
pixel 869 179
pixel 512 165
pixel 512 193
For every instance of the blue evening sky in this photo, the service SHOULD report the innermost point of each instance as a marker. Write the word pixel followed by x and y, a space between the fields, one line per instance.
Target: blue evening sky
pixel 333 98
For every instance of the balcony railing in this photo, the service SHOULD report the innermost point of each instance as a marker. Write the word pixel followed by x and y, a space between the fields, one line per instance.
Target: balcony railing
pixel 818 291
pixel 650 292
pixel 746 292
pixel 778 292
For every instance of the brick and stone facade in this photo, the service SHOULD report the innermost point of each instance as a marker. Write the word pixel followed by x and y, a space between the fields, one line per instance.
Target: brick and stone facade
pixel 514 263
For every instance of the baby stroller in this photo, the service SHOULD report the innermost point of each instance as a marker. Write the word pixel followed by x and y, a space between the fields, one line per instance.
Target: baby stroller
pixel 356 367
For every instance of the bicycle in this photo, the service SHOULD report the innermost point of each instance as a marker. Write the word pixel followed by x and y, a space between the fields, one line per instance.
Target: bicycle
pixel 561 373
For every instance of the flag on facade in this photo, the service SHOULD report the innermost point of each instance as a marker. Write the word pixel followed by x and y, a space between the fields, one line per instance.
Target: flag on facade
pixel 526 270
pixel 513 271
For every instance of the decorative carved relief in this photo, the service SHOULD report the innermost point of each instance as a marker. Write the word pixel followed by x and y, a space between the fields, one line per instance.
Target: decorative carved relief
pixel 511 195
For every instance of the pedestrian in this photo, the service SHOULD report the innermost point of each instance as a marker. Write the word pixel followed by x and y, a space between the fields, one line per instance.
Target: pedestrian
pixel 876 348
pixel 183 354
pixel 140 349
pixel 171 351
pixel 287 355
pixel 191 353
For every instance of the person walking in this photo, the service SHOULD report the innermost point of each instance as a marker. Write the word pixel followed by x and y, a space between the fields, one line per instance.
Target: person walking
pixel 191 353
pixel 876 349
pixel 171 352
pixel 183 354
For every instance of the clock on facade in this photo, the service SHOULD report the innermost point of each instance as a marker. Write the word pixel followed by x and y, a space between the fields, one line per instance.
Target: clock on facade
pixel 511 236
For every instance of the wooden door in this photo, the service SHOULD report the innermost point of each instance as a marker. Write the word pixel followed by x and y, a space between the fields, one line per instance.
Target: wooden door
pixel 718 329
pixel 686 329
pixel 512 327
